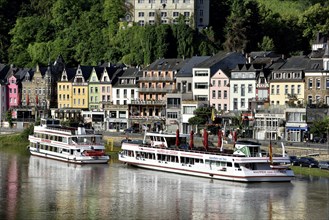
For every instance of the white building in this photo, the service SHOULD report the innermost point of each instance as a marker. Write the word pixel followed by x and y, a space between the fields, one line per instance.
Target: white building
pixel 167 11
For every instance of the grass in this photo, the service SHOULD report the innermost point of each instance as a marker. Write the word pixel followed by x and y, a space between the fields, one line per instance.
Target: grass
pixel 14 143
pixel 285 8
pixel 306 171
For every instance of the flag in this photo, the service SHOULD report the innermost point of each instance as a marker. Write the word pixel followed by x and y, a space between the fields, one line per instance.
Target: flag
pixel 213 115
pixel 270 156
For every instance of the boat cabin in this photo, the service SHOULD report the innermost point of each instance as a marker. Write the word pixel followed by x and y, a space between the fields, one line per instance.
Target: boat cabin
pixel 248 149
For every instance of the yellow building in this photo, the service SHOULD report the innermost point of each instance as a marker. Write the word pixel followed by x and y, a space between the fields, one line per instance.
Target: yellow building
pixel 80 90
pixel 64 91
pixel 287 83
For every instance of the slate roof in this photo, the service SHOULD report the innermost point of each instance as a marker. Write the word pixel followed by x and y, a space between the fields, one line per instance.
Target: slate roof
pixel 186 70
pixel 222 60
pixel 166 64
pixel 295 63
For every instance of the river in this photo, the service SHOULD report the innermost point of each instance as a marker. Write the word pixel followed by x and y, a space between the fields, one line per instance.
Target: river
pixel 38 188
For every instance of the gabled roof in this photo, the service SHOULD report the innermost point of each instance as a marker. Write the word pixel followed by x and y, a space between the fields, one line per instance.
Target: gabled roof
pixel 296 63
pixel 165 64
pixel 186 70
pixel 130 73
pixel 222 60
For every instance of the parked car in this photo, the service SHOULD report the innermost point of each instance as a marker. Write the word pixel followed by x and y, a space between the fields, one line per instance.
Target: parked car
pixel 308 162
pixel 131 130
pixel 324 165
pixel 293 160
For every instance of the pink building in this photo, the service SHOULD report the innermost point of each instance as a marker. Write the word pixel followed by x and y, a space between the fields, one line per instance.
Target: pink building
pixel 219 91
pixel 13 92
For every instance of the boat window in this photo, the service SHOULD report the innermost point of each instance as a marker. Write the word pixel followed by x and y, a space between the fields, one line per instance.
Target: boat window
pixel 236 165
pixel 229 164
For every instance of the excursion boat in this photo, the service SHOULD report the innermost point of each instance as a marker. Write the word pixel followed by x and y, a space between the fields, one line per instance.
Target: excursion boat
pixel 246 162
pixel 74 145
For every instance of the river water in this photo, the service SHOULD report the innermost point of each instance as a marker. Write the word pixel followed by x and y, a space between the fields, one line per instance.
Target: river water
pixel 38 188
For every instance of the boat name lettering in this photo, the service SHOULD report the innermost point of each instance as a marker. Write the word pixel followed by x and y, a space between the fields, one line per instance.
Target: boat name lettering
pixel 167 152
pixel 218 158
pixel 267 171
pixel 46 140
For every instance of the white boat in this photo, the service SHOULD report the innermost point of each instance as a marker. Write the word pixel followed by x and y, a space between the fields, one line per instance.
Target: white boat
pixel 74 145
pixel 245 163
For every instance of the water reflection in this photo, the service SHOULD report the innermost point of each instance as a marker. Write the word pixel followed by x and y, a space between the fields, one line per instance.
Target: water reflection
pixel 38 188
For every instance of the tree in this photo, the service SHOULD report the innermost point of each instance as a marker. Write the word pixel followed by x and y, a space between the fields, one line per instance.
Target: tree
pixel 9 118
pixel 315 19
pixel 235 30
pixel 320 128
pixel 267 44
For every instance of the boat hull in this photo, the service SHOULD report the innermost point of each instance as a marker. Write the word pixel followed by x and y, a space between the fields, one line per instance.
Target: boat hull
pixel 71 159
pixel 270 177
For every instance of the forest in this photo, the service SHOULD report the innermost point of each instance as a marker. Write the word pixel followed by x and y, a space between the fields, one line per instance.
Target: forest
pixel 89 32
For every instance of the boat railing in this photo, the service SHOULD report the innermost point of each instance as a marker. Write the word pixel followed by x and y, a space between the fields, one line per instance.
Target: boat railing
pixel 195 151
pixel 70 130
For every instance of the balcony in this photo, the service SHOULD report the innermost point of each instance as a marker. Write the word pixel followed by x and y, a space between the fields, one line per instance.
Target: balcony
pixel 156 90
pixel 156 79
pixel 148 118
pixel 149 102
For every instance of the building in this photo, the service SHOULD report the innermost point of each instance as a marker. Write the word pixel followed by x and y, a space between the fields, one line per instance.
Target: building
pixel 220 91
pixel 179 104
pixel 287 82
pixel 196 12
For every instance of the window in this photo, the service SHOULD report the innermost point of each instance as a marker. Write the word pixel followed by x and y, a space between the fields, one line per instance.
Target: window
pixel 225 82
pixel 243 90
pixel 186 1
pixel 151 22
pixel 213 83
pixel 286 89
pixel 140 14
pixel 310 83
pixel 292 89
pixel 141 23
pixel 152 14
pixel 277 89
pixel 213 94
pixel 219 83
pixel 272 89
pixel 225 107
pixel 201 13
pixel 151 1
pixel 235 104
pixel 172 115
pixel 299 89
pixel 163 1
pixel 309 99
pixel 163 14
pixel 219 94
pixel 175 14
pixel 188 109
pixel 201 85
pixel 242 103
pixel 249 88
pixel 175 1
pixel 318 84
pixel 225 94
pixel 140 1
pixel 219 107
pixel 235 88
pixel 327 83
pixel 201 73
pixel 186 14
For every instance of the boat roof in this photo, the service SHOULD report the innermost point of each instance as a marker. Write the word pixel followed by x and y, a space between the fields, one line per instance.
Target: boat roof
pixel 247 142
pixel 166 134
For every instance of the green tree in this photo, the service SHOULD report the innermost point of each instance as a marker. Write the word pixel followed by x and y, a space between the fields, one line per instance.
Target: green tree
pixel 184 37
pixel 315 19
pixel 267 44
pixel 320 128
pixel 235 30
pixel 9 118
